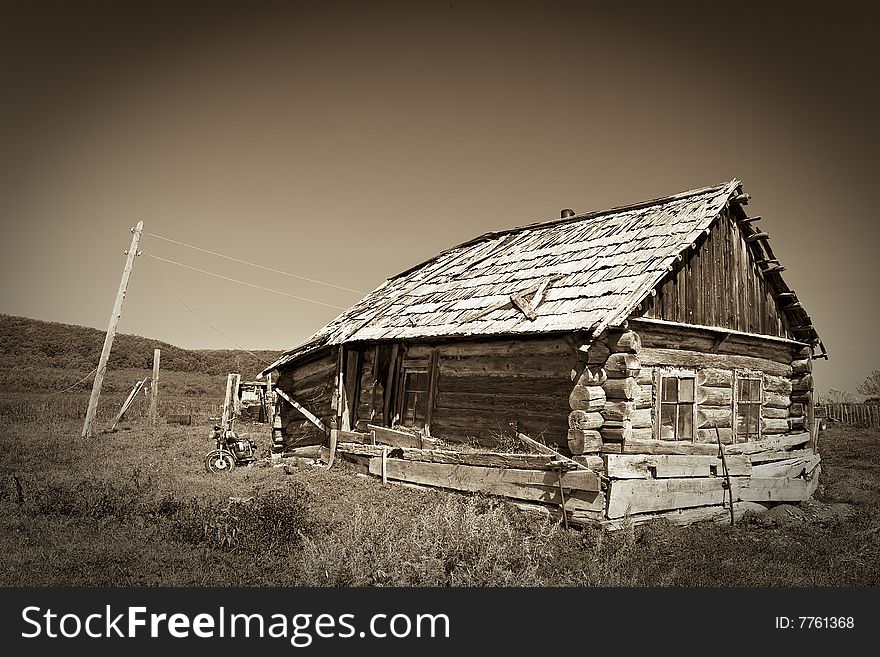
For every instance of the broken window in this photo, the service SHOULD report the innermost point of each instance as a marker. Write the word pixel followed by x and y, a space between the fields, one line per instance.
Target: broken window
pixel 416 383
pixel 676 416
pixel 747 406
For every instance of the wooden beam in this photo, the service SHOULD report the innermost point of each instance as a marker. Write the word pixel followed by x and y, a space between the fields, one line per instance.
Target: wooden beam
pixel 154 389
pixel 749 220
pixel 533 485
pixel 740 199
pixel 302 409
pixel 665 466
pixel 754 237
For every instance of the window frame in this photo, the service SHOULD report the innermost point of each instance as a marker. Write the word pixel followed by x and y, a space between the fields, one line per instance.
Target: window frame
pixel 678 374
pixel 747 375
pixel 420 395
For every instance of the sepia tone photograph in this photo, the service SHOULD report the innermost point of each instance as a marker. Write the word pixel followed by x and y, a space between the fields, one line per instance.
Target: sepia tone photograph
pixel 438 294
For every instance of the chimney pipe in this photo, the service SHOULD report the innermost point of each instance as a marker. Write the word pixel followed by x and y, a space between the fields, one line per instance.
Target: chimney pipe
pixel 567 212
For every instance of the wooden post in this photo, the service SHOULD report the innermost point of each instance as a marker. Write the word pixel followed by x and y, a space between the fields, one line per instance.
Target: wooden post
pixel 228 408
pixel 384 465
pixel 111 331
pixel 154 389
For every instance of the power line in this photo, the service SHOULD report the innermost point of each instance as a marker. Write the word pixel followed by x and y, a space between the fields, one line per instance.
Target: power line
pixel 198 315
pixel 80 381
pixel 253 264
pixel 235 280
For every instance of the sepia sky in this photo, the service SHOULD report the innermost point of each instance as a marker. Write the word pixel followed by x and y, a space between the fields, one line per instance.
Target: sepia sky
pixel 345 142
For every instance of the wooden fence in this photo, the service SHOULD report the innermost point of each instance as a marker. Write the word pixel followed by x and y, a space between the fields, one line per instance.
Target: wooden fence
pixel 860 415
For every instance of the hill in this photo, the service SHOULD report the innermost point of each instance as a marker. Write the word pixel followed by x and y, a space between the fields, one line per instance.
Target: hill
pixel 31 343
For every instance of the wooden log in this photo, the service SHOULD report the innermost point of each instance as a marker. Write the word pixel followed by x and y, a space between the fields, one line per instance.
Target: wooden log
pixel 652 446
pixel 802 352
pixel 779 489
pixel 535 485
pixel 583 442
pixel 626 388
pixel 595 353
pixel 585 420
pixel 620 366
pixel 775 413
pixel 709 435
pixel 394 438
pixel 653 356
pixel 645 397
pixel 702 340
pixel 711 416
pixel 712 376
pixel 790 468
pixel 626 341
pixel 805 398
pixel 781 455
pixel 627 411
pixel 522 346
pixel 547 366
pixel 796 409
pixel 776 400
pixel 592 375
pixel 711 396
pixel 777 384
pixel 684 517
pixel 798 423
pixel 645 376
pixel 771 425
pixel 773 443
pixel 617 411
pixel 616 434
pixel 661 466
pixel 625 432
pixel 802 384
pixel 486 459
pixel 495 402
pixel 754 237
pixel 587 398
pixel 592 461
pixel 632 496
pixel 803 366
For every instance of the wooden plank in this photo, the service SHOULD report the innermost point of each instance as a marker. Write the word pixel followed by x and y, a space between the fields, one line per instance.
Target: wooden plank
pixel 790 468
pixel 395 438
pixel 638 446
pixel 434 373
pixel 684 517
pixel 535 485
pixel 486 459
pixel 302 409
pixel 646 495
pixel 779 489
pixel 766 457
pixel 654 466
pixel 770 444
pixel 654 356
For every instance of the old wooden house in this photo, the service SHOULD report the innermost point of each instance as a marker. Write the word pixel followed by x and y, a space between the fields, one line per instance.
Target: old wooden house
pixel 631 341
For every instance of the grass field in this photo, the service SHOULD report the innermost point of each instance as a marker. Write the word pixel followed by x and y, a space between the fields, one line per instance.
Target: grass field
pixel 136 508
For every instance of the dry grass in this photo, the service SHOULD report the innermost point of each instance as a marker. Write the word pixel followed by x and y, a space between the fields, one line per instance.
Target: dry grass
pixel 137 508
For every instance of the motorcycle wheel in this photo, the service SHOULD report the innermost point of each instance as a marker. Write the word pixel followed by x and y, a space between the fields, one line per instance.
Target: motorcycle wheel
pixel 219 461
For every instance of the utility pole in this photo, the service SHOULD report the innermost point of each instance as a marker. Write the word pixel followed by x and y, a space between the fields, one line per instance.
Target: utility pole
pixel 111 331
pixel 154 389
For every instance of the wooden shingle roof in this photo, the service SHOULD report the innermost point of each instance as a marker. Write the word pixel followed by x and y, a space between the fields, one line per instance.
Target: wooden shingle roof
pixel 581 273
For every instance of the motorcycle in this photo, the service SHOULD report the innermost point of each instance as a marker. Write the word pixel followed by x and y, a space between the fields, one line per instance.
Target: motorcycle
pixel 230 451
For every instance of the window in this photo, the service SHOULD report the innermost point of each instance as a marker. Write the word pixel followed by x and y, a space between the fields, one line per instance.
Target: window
pixel 747 406
pixel 676 406
pixel 415 398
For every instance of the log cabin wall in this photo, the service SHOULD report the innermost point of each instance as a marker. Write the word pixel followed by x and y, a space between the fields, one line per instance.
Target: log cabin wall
pixel 484 390
pixel 313 384
pixel 615 410
pixel 719 283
